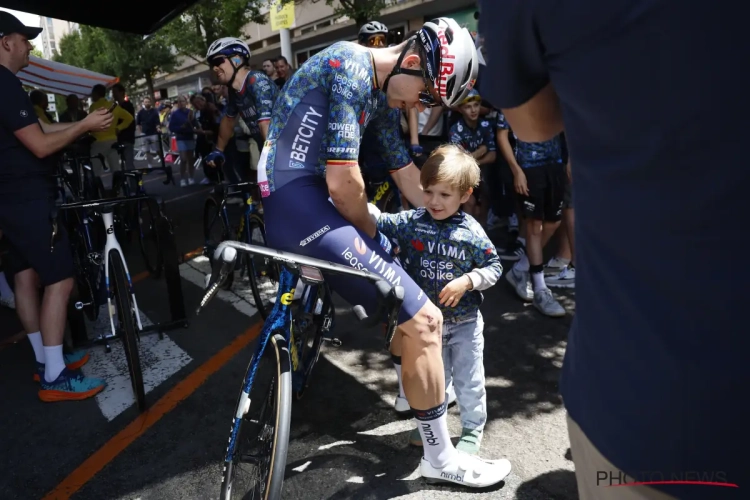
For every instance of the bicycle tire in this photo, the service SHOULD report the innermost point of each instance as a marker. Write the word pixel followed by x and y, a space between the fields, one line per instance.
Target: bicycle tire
pixel 128 335
pixel 148 231
pixel 85 288
pixel 211 215
pixel 276 354
pixel 391 202
pixel 263 308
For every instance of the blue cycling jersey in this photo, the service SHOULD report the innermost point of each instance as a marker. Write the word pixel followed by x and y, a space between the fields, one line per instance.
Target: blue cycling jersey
pixel 472 138
pixel 321 115
pixel 254 101
pixel 534 154
pixel 434 253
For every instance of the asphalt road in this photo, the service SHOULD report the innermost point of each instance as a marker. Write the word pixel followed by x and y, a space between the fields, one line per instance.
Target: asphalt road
pixel 346 440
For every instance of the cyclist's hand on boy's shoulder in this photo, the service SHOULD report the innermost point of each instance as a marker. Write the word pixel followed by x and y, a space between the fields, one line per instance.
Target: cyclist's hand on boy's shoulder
pixel 451 294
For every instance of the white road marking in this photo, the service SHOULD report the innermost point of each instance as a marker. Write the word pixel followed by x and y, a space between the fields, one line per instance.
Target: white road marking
pixel 302 467
pixel 160 359
pixel 333 445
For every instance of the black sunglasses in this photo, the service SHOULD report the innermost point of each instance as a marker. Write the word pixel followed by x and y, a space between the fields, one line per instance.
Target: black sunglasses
pixel 217 61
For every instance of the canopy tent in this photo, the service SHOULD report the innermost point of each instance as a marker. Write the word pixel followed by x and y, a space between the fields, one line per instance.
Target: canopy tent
pixel 142 17
pixel 60 78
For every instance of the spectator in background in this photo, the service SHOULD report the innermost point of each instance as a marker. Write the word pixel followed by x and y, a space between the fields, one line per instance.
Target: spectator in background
pixel 40 102
pixel 270 69
pixel 181 124
pixel 207 131
pixel 147 124
pixel 126 136
pixel 283 70
pixel 107 138
pixel 73 113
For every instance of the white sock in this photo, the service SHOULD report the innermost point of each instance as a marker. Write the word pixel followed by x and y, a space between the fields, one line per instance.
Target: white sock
pixel 55 363
pixel 5 290
pixel 397 365
pixel 38 346
pixel 537 281
pixel 436 440
pixel 522 264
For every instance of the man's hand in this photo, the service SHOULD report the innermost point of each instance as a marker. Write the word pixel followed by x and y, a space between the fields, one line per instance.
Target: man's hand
pixel 519 182
pixel 214 157
pixel 416 150
pixel 98 120
pixel 453 291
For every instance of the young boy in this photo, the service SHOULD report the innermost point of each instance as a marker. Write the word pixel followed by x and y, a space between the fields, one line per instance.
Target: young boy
pixel 539 179
pixel 475 134
pixel 449 255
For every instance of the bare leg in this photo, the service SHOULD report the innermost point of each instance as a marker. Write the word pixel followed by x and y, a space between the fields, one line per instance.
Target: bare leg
pixel 55 311
pixel 569 225
pixel 27 300
pixel 424 378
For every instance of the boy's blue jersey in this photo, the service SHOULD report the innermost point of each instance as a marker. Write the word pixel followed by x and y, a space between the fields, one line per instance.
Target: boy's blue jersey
pixel 534 154
pixel 320 117
pixel 254 101
pixel 472 138
pixel 434 253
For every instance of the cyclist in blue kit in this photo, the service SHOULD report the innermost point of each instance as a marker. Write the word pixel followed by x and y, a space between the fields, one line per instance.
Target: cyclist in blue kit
pixel 312 154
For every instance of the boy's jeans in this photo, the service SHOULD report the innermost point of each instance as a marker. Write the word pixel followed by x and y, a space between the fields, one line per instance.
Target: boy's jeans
pixel 463 356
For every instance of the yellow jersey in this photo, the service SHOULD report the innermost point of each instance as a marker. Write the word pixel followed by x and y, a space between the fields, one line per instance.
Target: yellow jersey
pixel 122 119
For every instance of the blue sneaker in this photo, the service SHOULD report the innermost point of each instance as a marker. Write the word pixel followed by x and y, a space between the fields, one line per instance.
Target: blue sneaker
pixel 70 386
pixel 73 361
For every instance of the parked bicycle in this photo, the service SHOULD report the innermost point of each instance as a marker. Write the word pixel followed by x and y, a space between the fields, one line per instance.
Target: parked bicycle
pixel 262 273
pixel 285 355
pixel 102 277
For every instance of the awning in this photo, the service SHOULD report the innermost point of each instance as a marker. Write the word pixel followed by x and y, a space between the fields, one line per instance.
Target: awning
pixel 139 16
pixel 59 78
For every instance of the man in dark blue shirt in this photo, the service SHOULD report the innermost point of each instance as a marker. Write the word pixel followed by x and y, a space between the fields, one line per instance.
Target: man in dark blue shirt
pixel 147 122
pixel 26 201
pixel 653 98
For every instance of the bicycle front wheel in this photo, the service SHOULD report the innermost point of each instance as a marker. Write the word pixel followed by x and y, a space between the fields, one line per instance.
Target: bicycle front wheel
pixel 258 444
pixel 215 230
pixel 125 325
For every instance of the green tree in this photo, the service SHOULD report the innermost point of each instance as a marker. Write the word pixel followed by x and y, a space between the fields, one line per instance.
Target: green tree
pixel 361 11
pixel 37 53
pixel 115 53
pixel 193 32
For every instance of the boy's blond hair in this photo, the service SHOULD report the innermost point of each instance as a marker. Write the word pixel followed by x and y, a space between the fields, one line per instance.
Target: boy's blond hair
pixel 451 165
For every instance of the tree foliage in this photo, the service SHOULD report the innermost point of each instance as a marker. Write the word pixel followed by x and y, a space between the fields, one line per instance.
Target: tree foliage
pixel 191 33
pixel 124 55
pixel 361 11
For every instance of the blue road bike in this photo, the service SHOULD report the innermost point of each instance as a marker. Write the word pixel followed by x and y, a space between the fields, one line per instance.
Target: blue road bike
pixel 286 353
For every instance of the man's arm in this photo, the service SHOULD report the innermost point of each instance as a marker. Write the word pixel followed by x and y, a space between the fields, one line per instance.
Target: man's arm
pixel 49 128
pixel 537 120
pixel 487 158
pixel 414 126
pixel 43 144
pixel 407 180
pixel 123 117
pixel 265 92
pixel 347 190
pixel 226 131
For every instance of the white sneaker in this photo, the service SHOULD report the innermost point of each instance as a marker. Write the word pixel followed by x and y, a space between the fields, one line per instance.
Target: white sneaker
pixel 183 183
pixel 521 282
pixel 547 305
pixel 191 181
pixel 564 279
pixel 467 470
pixel 554 266
pixel 401 405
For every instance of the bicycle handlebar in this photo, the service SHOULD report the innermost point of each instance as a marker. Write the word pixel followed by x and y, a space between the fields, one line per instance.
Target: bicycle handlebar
pixel 389 298
pixel 140 172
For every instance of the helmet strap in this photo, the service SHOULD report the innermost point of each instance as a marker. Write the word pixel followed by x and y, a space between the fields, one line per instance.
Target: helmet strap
pixel 234 72
pixel 398 70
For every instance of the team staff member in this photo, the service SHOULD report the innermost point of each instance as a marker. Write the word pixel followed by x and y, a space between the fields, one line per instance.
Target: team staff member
pixel 26 199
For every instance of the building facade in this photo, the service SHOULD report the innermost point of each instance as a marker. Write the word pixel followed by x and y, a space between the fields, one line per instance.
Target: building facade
pixel 52 32
pixel 314 29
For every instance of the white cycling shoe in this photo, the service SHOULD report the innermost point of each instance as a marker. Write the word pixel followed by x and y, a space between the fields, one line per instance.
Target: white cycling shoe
pixel 401 405
pixel 467 470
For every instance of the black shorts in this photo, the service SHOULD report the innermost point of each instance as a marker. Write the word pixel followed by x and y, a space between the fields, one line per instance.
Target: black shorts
pixel 27 230
pixel 546 185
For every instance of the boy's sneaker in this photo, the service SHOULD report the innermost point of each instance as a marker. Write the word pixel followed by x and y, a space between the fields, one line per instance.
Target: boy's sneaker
pixel 471 440
pixel 514 252
pixel 564 279
pixel 183 183
pixel 70 386
pixel 73 361
pixel 467 470
pixel 547 305
pixel 521 282
pixel 554 266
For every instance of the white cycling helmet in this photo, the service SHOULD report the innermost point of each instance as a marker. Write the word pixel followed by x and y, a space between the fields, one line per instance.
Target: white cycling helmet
pixel 228 46
pixel 372 28
pixel 450 58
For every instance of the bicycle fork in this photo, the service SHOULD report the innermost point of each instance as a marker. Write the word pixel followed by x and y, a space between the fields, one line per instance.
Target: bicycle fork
pixel 113 244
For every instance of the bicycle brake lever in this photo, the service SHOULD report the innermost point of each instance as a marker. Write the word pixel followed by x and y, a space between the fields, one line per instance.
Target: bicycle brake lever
pixel 221 268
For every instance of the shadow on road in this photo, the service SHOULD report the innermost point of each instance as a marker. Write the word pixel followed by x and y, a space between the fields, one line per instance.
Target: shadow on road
pixel 541 486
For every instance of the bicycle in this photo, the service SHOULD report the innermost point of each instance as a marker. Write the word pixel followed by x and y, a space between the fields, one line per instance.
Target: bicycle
pixel 139 217
pixel 288 349
pixel 124 315
pixel 382 192
pixel 262 273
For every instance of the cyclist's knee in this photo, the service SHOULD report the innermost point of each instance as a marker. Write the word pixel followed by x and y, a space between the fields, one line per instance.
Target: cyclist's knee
pixel 426 326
